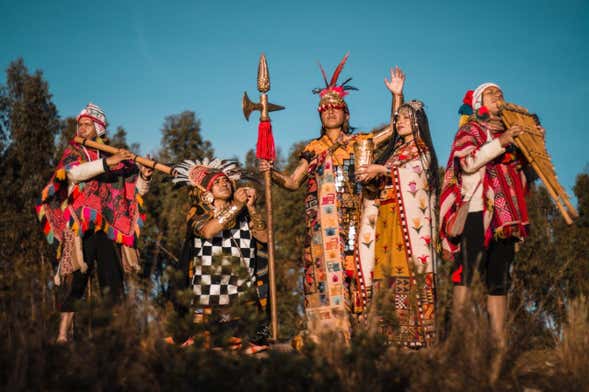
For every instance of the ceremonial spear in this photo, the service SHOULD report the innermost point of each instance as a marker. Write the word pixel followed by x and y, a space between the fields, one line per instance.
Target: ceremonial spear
pixel 265 150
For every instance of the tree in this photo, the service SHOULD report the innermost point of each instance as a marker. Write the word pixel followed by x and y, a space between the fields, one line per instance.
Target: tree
pixel 29 122
pixel 181 139
pixel 289 234
pixel 167 206
pixel 119 139
pixel 67 131
pixel 551 269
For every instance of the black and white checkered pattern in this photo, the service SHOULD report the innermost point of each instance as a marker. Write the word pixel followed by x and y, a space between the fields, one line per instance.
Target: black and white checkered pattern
pixel 223 265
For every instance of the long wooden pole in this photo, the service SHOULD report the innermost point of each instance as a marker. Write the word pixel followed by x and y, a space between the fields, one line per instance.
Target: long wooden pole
pixel 155 165
pixel 113 150
pixel 263 74
pixel 271 263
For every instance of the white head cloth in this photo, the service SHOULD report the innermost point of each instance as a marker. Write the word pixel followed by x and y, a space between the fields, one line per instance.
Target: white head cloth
pixel 477 95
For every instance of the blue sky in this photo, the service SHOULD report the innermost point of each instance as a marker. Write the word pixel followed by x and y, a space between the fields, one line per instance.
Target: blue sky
pixel 142 61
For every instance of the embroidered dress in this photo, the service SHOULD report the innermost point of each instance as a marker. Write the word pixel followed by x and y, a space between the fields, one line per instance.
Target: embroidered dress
pixel 332 277
pixel 404 254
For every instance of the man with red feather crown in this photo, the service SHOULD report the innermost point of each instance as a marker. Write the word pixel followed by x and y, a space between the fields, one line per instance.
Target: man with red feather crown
pixel 334 281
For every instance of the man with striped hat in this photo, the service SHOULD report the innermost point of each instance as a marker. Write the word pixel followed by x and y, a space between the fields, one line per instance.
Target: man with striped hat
pixel 92 206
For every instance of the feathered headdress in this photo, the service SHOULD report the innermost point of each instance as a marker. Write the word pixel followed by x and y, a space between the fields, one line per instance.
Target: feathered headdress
pixel 203 174
pixel 332 96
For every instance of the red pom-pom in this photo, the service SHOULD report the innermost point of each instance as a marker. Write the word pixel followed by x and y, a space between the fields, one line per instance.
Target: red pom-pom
pixel 467 100
pixel 483 112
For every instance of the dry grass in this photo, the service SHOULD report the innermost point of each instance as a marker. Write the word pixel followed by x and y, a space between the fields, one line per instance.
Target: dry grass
pixel 125 351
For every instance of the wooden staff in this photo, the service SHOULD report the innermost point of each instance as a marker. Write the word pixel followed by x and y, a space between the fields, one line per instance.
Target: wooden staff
pixel 155 165
pixel 265 150
pixel 113 150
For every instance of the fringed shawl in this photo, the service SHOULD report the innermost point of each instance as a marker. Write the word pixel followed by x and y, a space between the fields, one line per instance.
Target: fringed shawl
pixel 504 187
pixel 107 202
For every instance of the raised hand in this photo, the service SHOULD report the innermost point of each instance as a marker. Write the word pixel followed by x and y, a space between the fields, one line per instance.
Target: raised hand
pixel 395 85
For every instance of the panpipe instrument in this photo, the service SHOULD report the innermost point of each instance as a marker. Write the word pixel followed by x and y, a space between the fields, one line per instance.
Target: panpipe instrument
pixel 532 145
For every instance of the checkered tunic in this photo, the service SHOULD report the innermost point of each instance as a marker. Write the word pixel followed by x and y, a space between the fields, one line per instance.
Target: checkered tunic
pixel 224 266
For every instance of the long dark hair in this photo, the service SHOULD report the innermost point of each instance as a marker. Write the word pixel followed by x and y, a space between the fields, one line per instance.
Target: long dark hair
pixel 420 130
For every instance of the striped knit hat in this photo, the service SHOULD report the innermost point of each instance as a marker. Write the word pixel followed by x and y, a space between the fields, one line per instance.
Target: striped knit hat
pixel 94 113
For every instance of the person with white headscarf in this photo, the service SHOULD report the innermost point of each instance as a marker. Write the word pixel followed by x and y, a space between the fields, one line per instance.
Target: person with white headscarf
pixel 485 172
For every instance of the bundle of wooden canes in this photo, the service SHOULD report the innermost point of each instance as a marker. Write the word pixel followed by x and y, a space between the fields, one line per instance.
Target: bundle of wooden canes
pixel 532 145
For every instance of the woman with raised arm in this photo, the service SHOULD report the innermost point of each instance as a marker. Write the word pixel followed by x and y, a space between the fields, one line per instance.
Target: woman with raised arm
pixel 406 175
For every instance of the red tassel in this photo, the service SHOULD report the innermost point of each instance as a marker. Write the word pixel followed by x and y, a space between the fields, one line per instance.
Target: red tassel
pixel 265 147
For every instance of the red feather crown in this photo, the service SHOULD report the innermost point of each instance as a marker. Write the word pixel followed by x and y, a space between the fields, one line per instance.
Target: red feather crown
pixel 332 96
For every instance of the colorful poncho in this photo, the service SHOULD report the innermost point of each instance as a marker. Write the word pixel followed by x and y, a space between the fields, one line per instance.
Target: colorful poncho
pixel 504 187
pixel 107 202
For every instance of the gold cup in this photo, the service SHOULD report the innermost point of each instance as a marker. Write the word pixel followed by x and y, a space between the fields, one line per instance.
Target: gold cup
pixel 363 152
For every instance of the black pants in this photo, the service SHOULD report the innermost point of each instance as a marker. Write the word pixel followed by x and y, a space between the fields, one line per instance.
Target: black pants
pixel 493 263
pixel 97 247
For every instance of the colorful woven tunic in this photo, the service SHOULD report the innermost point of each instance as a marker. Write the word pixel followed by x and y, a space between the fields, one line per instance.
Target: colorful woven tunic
pixel 107 202
pixel 332 278
pixel 404 254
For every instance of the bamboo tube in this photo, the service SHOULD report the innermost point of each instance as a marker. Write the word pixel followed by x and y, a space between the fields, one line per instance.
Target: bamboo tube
pixel 113 150
pixel 546 182
pixel 531 143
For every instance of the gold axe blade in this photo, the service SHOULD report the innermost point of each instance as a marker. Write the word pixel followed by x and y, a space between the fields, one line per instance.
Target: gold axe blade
pixel 248 106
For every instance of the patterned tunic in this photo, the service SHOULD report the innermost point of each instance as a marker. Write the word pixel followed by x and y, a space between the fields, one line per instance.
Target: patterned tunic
pixel 332 209
pixel 226 265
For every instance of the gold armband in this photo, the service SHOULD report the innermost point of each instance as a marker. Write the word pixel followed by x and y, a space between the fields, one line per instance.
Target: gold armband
pixel 257 222
pixel 227 216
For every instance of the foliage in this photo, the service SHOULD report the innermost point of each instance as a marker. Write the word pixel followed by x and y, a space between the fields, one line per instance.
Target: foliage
pixel 124 349
pixel 165 229
pixel 29 123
